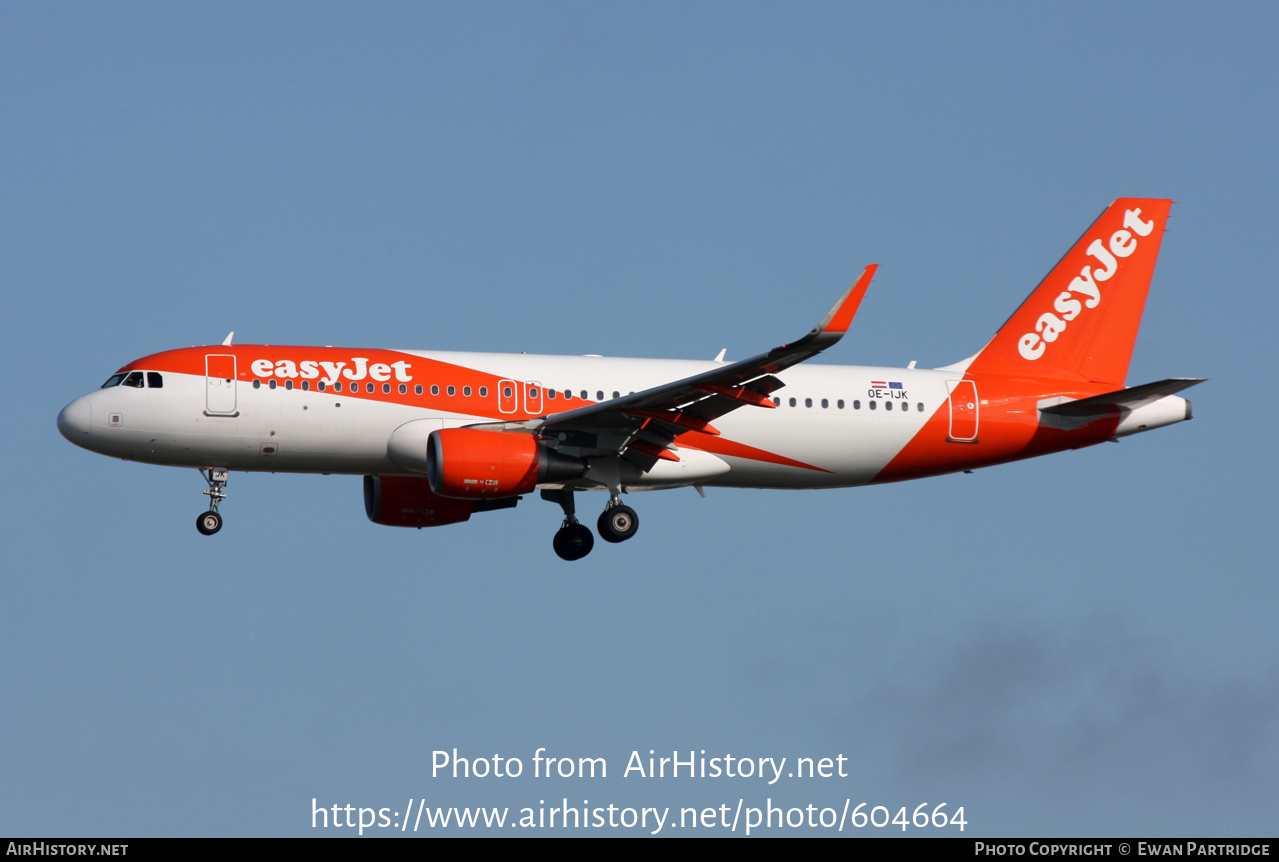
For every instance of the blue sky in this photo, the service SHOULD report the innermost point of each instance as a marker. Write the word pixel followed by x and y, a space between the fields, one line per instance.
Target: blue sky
pixel 1078 645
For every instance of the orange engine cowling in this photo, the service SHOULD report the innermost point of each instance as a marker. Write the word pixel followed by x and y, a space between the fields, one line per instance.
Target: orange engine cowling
pixel 407 501
pixel 472 464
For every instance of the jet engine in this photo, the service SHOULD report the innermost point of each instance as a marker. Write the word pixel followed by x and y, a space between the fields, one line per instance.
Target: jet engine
pixel 473 464
pixel 407 501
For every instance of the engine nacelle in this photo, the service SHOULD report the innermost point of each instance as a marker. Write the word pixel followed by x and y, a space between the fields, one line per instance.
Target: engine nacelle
pixel 473 464
pixel 407 501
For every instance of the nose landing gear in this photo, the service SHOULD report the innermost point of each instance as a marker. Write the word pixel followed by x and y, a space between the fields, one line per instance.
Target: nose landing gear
pixel 210 522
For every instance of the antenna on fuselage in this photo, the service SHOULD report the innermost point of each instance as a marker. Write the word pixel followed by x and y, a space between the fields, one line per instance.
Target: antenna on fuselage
pixel 226 342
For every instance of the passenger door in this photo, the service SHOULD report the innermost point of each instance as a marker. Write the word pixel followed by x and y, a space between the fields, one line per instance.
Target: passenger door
pixel 963 411
pixel 219 385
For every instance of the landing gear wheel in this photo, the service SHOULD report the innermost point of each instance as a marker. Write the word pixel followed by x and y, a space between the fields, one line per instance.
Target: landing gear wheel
pixel 208 523
pixel 618 523
pixel 573 542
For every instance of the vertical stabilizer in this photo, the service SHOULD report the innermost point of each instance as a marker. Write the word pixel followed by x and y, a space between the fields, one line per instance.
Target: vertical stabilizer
pixel 1082 319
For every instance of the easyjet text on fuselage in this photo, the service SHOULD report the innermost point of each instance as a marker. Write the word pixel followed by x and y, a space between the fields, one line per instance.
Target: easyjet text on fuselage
pixel 357 369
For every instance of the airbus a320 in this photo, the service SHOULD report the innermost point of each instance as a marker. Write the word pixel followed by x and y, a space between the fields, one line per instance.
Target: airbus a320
pixel 440 436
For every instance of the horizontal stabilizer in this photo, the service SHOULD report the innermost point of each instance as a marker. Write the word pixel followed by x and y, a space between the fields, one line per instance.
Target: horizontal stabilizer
pixel 1121 400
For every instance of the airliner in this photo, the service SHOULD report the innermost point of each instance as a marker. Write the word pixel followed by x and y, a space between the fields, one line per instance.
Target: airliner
pixel 440 436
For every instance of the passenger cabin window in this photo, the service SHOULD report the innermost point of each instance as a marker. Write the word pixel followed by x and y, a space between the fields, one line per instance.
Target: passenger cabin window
pixel 484 392
pixel 154 380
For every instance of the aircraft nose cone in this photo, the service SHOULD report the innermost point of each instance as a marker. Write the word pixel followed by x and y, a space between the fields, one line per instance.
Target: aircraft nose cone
pixel 74 420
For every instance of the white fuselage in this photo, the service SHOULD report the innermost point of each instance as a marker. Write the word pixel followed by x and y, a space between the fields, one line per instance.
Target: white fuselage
pixel 829 417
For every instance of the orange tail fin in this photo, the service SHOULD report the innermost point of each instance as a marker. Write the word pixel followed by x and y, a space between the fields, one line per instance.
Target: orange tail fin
pixel 1082 319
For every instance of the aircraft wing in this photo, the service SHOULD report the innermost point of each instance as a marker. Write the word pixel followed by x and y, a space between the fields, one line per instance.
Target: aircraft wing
pixel 642 425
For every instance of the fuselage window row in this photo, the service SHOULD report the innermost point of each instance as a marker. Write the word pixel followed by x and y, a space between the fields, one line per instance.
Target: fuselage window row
pixel 857 404
pixel 154 380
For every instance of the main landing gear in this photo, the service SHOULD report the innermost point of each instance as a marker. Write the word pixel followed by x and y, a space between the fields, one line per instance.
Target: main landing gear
pixel 210 522
pixel 573 541
pixel 617 523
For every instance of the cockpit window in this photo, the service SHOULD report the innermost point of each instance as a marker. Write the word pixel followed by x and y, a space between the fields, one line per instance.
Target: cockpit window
pixel 155 380
pixel 113 380
pixel 134 379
